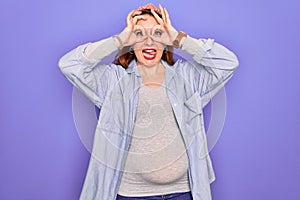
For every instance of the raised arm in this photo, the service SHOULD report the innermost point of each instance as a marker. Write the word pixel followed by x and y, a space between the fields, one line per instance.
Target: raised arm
pixel 213 65
pixel 81 67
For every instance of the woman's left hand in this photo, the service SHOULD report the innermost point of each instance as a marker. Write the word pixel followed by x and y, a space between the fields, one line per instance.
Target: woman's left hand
pixel 169 32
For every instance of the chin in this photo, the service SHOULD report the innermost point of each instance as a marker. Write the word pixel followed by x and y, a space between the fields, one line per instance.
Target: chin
pixel 150 63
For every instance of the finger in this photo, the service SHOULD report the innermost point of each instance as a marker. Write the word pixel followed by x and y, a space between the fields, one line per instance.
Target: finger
pixel 162 12
pixel 136 18
pixel 128 19
pixel 158 19
pixel 136 12
pixel 167 16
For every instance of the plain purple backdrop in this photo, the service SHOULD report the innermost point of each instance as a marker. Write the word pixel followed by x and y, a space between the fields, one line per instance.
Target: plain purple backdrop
pixel 257 155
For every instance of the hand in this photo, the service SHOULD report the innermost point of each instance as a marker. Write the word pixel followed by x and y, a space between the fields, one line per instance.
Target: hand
pixel 127 36
pixel 169 32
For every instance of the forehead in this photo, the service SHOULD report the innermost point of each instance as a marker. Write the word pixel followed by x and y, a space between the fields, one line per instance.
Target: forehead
pixel 149 21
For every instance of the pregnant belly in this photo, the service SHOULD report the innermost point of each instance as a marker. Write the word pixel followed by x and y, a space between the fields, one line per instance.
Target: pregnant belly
pixel 168 174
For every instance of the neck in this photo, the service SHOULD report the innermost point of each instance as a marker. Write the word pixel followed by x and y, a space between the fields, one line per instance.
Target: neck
pixel 150 70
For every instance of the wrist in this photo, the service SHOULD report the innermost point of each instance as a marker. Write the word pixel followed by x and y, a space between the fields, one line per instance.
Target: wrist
pixel 123 37
pixel 177 43
pixel 118 41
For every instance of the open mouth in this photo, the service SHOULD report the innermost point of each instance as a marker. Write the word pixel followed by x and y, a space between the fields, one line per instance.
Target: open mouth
pixel 149 54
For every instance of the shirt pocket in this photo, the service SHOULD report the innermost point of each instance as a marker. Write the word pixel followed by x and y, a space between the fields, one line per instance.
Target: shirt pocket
pixel 193 112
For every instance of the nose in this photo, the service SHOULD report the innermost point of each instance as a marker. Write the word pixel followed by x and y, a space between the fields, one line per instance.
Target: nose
pixel 149 40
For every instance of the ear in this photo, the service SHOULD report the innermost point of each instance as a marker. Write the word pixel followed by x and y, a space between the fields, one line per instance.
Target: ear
pixel 131 50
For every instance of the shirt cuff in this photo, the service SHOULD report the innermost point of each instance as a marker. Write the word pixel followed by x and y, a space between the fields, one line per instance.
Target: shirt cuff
pixel 99 50
pixel 196 47
pixel 81 56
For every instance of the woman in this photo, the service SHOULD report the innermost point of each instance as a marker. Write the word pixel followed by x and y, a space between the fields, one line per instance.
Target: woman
pixel 150 140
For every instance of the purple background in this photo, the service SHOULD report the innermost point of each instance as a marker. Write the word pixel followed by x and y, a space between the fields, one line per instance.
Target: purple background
pixel 256 157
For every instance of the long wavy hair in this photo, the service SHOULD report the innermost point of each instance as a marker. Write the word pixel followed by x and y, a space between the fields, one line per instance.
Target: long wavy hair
pixel 126 55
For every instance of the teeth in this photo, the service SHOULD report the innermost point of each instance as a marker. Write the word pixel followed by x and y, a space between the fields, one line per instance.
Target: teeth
pixel 149 50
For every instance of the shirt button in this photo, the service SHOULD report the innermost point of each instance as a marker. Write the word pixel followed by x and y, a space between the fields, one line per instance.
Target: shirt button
pixel 175 104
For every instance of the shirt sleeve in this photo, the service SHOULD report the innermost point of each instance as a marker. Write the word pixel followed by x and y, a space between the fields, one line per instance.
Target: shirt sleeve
pixel 213 65
pixel 84 71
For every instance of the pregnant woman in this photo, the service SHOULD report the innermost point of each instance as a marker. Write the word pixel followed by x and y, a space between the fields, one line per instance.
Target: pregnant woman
pixel 150 141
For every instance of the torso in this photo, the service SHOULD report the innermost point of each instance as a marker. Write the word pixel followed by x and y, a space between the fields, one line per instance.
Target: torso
pixel 157 161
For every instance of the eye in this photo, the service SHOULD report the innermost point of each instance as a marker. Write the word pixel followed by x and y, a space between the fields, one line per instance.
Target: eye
pixel 138 33
pixel 158 32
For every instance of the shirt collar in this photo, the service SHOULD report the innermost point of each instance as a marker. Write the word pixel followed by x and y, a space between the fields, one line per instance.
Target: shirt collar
pixel 132 68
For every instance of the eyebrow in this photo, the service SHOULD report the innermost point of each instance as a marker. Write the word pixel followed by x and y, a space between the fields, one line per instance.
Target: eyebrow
pixel 137 30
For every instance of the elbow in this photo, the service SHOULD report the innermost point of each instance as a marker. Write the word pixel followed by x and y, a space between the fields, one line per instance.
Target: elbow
pixel 235 62
pixel 60 64
pixel 64 63
pixel 67 60
pixel 228 58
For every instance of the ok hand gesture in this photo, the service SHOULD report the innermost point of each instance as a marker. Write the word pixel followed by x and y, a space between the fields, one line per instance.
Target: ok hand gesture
pixel 127 36
pixel 169 32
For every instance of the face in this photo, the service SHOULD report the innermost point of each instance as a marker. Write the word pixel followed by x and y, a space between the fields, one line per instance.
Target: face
pixel 148 52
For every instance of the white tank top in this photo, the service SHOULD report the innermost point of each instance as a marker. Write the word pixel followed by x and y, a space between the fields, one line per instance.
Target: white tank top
pixel 157 162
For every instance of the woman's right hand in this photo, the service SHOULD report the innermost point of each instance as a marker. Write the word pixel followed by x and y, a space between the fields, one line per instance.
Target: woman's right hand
pixel 127 36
